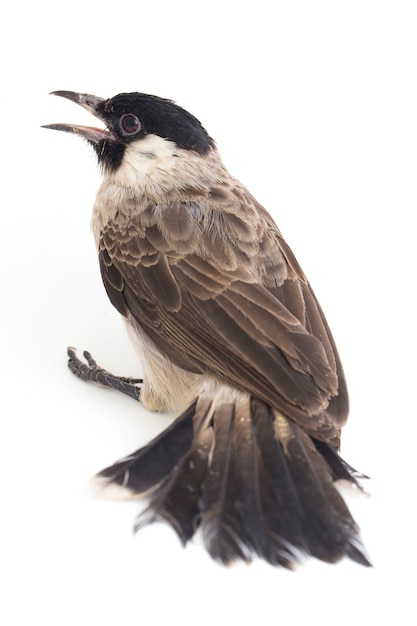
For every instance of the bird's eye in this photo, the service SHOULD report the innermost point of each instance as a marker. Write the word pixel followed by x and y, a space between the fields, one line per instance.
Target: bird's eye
pixel 129 124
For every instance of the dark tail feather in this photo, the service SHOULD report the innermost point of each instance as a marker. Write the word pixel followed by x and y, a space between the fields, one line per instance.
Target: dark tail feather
pixel 251 479
pixel 340 469
pixel 328 531
pixel 144 469
pixel 176 499
pixel 256 508
pixel 224 535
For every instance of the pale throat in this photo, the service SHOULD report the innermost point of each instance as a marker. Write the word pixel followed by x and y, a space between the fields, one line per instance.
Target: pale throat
pixel 154 169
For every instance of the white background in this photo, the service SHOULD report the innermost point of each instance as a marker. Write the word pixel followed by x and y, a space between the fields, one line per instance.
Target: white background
pixel 313 105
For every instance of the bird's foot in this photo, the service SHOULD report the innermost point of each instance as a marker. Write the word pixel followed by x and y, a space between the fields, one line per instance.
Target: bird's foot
pixel 91 372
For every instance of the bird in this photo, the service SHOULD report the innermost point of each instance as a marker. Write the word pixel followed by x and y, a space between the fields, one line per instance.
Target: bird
pixel 232 341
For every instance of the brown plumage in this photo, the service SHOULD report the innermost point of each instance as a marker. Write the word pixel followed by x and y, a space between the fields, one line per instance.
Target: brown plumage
pixel 231 337
pixel 206 301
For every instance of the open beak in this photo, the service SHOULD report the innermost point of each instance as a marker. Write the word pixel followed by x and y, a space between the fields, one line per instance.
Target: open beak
pixel 93 104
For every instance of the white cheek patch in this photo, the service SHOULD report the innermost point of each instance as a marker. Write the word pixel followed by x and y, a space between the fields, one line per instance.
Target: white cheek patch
pixel 144 155
pixel 143 160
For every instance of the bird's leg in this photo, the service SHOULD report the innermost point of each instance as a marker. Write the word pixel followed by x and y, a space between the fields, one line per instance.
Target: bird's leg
pixel 91 372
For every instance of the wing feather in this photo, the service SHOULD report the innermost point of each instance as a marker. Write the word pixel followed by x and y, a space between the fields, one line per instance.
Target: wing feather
pixel 263 332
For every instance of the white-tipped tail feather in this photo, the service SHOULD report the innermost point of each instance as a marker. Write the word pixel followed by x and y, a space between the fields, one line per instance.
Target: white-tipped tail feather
pixel 249 478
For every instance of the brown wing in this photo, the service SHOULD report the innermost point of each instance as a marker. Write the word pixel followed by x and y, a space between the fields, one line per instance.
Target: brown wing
pixel 224 295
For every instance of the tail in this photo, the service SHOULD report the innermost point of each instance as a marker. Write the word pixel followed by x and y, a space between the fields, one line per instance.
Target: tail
pixel 250 479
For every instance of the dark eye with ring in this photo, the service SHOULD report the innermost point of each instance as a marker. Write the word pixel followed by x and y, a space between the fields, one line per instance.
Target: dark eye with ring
pixel 129 124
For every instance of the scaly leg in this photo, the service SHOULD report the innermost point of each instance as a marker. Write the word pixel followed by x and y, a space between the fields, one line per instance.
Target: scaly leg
pixel 91 372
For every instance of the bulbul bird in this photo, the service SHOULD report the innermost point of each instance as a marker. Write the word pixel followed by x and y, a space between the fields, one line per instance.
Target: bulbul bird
pixel 232 341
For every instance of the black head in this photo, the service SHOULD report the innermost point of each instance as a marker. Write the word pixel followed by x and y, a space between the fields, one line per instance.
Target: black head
pixel 130 117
